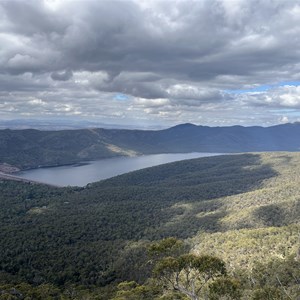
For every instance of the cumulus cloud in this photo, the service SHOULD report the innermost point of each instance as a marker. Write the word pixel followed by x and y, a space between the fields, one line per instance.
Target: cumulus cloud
pixel 174 61
pixel 285 96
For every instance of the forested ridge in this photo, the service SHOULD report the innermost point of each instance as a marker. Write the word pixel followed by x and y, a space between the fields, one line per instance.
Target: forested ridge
pixel 235 214
pixel 33 148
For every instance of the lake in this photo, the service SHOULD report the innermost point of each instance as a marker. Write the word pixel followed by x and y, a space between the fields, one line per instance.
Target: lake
pixel 82 174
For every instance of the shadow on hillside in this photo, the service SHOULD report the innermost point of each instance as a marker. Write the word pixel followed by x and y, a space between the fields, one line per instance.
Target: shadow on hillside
pixel 270 215
pixel 278 214
pixel 177 199
pixel 194 203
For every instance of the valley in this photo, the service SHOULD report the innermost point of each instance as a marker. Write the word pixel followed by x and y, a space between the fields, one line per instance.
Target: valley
pixel 81 174
pixel 27 149
pixel 149 150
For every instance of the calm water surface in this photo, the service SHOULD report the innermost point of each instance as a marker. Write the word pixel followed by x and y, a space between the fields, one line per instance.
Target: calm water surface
pixel 82 174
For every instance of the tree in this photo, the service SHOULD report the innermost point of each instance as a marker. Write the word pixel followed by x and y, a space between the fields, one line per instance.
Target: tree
pixel 268 293
pixel 133 291
pixel 167 247
pixel 189 274
pixel 224 288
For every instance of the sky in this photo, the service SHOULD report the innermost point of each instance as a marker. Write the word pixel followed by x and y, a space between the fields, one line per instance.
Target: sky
pixel 151 63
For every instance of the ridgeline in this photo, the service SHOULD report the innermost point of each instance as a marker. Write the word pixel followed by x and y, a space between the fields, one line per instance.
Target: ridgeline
pixel 33 148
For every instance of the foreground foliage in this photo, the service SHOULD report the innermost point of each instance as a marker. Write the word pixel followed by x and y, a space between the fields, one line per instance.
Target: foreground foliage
pixel 189 274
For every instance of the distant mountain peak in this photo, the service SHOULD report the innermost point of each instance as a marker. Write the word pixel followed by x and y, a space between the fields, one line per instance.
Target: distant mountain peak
pixel 185 125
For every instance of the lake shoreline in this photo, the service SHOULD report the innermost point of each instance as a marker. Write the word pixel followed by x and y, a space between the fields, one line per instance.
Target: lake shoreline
pixel 10 177
pixel 87 162
pixel 85 172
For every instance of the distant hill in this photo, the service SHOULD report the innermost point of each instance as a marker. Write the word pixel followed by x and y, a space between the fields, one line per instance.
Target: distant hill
pixel 32 148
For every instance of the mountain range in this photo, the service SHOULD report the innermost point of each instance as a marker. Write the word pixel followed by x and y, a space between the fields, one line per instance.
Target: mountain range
pixel 31 148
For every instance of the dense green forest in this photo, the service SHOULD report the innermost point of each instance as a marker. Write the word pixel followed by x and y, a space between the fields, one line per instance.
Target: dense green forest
pixel 234 219
pixel 33 148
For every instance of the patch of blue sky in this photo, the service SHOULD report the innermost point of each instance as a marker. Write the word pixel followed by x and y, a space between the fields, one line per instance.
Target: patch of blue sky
pixel 121 97
pixel 263 88
pixel 289 112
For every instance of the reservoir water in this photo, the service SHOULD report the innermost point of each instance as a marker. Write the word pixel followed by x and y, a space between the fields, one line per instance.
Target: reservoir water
pixel 82 174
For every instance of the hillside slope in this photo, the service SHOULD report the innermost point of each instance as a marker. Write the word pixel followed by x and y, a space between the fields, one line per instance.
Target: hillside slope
pixel 96 235
pixel 33 148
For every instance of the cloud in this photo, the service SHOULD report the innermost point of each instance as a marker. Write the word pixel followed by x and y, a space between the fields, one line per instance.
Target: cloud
pixel 62 76
pixel 277 97
pixel 180 57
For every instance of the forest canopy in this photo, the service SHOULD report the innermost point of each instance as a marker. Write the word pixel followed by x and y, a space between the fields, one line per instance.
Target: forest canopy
pixel 241 209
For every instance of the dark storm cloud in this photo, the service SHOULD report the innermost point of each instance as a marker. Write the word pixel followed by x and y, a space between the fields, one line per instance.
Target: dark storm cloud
pixel 143 85
pixel 187 52
pixel 30 18
pixel 181 40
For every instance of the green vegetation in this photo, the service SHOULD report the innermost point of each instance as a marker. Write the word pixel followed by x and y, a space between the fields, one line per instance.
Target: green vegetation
pixel 33 148
pixel 189 274
pixel 108 240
